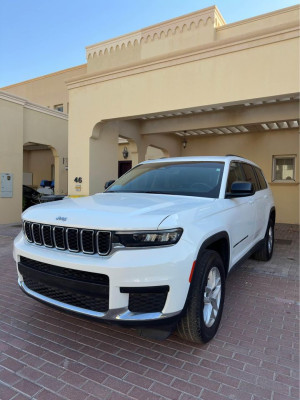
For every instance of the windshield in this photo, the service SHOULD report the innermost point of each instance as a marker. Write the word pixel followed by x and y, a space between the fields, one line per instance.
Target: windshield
pixel 202 179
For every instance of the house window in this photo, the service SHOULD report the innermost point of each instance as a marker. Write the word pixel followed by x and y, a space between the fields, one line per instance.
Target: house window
pixel 59 107
pixel 284 168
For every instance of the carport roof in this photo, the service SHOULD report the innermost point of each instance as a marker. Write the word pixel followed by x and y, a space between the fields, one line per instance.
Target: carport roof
pixel 273 113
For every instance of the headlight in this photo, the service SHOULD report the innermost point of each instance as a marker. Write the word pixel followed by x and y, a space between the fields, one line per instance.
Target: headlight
pixel 146 239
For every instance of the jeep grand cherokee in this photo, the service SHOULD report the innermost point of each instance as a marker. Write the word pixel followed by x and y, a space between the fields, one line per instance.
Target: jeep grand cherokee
pixel 154 249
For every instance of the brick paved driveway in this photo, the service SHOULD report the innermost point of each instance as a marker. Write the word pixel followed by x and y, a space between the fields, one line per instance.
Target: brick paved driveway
pixel 47 355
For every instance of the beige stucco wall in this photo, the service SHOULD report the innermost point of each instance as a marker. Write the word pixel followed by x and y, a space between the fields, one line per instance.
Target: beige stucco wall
pixel 286 17
pixel 247 74
pixel 259 147
pixel 48 90
pixel 22 122
pixel 11 158
pixel 152 153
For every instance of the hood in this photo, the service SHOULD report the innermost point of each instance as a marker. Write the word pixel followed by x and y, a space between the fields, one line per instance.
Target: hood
pixel 114 211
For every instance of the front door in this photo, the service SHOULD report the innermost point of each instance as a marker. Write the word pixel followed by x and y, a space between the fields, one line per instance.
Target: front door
pixel 241 213
pixel 124 166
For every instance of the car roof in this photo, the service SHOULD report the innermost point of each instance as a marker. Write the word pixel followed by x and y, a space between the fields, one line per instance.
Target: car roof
pixel 224 159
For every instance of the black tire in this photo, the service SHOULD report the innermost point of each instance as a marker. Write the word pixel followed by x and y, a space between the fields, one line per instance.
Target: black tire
pixel 193 326
pixel 266 251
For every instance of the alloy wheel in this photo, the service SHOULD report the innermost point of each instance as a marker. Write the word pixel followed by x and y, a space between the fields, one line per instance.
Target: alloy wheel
pixel 212 297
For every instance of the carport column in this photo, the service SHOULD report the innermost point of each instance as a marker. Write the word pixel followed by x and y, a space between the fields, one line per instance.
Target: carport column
pixel 60 175
pixel 103 156
pixel 142 150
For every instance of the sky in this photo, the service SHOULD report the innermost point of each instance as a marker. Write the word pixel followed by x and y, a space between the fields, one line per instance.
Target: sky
pixel 38 37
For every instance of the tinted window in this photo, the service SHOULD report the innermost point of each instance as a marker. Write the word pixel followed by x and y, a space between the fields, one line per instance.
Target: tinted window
pixel 236 173
pixel 261 179
pixel 201 179
pixel 250 175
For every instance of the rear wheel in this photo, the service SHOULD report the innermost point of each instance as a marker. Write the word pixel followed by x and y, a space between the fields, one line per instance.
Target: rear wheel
pixel 206 298
pixel 266 251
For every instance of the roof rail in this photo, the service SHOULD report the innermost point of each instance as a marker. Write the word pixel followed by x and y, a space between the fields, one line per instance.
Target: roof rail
pixel 233 155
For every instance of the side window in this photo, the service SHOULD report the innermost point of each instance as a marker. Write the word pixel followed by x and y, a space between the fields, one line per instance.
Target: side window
pixel 261 179
pixel 250 175
pixel 236 173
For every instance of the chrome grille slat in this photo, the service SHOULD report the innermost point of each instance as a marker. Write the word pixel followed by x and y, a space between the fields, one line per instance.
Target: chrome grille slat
pixel 103 242
pixel 36 234
pixel 72 240
pixel 28 231
pixel 87 241
pixel 47 235
pixel 59 237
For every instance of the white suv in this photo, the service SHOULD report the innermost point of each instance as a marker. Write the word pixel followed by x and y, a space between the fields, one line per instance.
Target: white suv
pixel 154 249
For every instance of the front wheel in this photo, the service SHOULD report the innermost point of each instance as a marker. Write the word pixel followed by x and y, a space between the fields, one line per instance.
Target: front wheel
pixel 206 298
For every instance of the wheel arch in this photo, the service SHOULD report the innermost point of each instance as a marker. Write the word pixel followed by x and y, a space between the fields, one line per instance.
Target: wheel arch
pixel 218 242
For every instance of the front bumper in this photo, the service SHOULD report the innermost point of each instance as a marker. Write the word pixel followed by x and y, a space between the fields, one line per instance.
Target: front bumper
pixel 128 271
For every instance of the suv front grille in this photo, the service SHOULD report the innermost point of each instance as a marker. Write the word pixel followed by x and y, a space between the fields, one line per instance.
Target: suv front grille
pixel 77 288
pixel 76 240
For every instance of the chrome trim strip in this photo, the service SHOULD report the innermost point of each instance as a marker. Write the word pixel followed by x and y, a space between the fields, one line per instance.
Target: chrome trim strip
pixel 68 247
pixel 51 235
pixel 81 241
pixel 117 314
pixel 97 243
pixel 32 226
pixel 60 227
pixel 135 316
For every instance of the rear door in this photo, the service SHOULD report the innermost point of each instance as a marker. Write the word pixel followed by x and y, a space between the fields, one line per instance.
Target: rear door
pixel 263 198
pixel 257 200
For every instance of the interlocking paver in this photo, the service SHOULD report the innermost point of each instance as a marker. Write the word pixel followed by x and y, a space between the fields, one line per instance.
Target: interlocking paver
pixel 48 355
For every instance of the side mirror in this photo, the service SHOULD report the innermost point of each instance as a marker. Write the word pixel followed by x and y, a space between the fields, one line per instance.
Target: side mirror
pixel 108 184
pixel 240 189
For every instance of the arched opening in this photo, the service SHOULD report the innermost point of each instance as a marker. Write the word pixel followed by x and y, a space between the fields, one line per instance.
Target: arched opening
pixel 42 168
pixel 155 152
pixel 38 164
pixel 113 150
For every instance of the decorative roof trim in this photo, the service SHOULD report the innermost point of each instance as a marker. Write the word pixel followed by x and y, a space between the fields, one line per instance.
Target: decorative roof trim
pixel 225 47
pixel 260 17
pixel 31 106
pixel 12 98
pixel 45 76
pixel 158 31
pixel 46 110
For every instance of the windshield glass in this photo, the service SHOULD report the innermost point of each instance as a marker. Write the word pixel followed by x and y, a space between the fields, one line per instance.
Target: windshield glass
pixel 201 179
